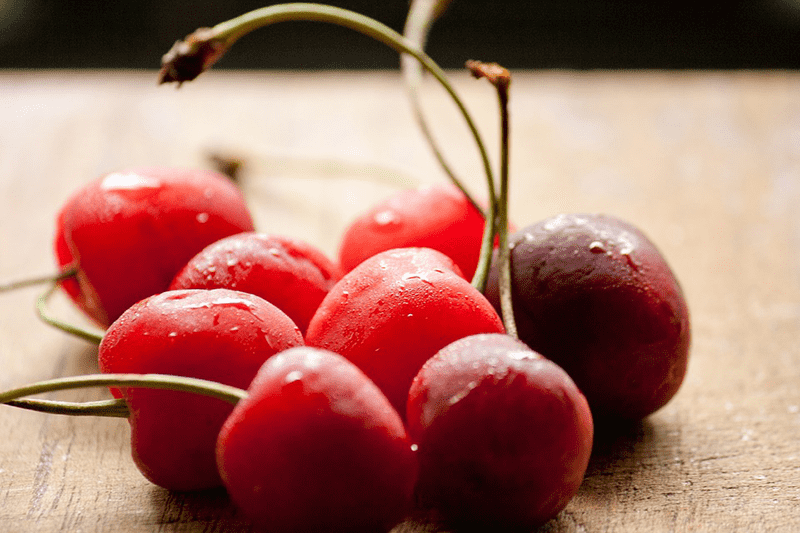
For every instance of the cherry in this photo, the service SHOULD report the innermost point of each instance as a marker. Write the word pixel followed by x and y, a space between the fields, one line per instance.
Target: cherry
pixel 218 335
pixel 286 272
pixel 504 435
pixel 317 447
pixel 394 311
pixel 440 217
pixel 128 233
pixel 593 294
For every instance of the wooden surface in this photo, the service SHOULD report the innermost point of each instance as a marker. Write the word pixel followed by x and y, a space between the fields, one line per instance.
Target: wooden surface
pixel 707 164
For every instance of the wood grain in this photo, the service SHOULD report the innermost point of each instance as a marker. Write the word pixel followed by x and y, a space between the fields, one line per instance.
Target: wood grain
pixel 706 163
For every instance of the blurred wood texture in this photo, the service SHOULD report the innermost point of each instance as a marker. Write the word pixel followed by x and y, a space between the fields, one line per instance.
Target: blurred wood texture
pixel 706 163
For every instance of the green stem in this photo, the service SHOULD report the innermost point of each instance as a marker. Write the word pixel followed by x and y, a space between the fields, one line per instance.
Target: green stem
pixel 199 51
pixel 230 31
pixel 117 408
pixel 501 79
pixel 151 381
pixel 487 245
pixel 30 282
pixel 41 310
pixel 41 302
pixel 504 256
pixel 420 18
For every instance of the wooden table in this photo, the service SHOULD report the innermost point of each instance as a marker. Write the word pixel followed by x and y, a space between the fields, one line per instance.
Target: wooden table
pixel 707 164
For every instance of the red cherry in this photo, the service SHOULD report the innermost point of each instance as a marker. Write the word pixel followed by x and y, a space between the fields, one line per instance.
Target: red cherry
pixel 317 447
pixel 128 233
pixel 286 272
pixel 219 335
pixel 504 435
pixel 593 294
pixel 397 309
pixel 440 217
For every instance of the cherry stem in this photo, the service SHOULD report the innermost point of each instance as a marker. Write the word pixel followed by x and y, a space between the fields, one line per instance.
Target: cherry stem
pixel 420 18
pixel 41 310
pixel 114 408
pixel 306 167
pixel 199 51
pixel 30 282
pixel 117 408
pixel 501 79
pixel 41 302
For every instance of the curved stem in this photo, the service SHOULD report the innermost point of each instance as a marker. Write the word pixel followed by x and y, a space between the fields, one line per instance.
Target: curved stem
pixel 314 168
pixel 188 58
pixel 420 18
pixel 41 310
pixel 487 246
pixel 235 28
pixel 150 381
pixel 117 408
pixel 30 282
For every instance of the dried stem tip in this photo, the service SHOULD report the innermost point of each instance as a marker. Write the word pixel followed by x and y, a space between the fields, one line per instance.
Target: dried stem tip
pixel 497 75
pixel 192 56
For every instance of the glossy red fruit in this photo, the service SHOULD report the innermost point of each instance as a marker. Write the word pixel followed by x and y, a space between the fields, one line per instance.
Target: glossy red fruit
pixel 286 272
pixel 218 335
pixel 317 447
pixel 504 435
pixel 397 309
pixel 438 217
pixel 128 233
pixel 592 293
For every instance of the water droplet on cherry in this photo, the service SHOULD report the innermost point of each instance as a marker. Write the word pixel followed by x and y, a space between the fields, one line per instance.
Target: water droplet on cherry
pixel 386 219
pixel 597 247
pixel 294 375
pixel 129 181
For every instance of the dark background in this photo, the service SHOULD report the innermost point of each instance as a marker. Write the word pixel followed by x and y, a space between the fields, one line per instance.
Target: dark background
pixel 588 34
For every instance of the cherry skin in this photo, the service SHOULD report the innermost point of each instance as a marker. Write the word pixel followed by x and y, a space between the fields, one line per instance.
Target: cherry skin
pixel 128 233
pixel 394 311
pixel 439 217
pixel 218 335
pixel 287 272
pixel 593 294
pixel 504 436
pixel 317 447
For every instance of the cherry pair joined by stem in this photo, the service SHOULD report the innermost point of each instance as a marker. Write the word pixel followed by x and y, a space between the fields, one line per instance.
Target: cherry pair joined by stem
pixel 312 445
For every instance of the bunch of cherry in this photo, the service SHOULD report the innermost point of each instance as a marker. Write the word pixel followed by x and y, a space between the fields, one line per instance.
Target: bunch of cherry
pixel 341 395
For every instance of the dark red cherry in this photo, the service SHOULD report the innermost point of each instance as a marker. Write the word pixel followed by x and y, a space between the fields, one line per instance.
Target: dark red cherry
pixel 593 294
pixel 504 435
